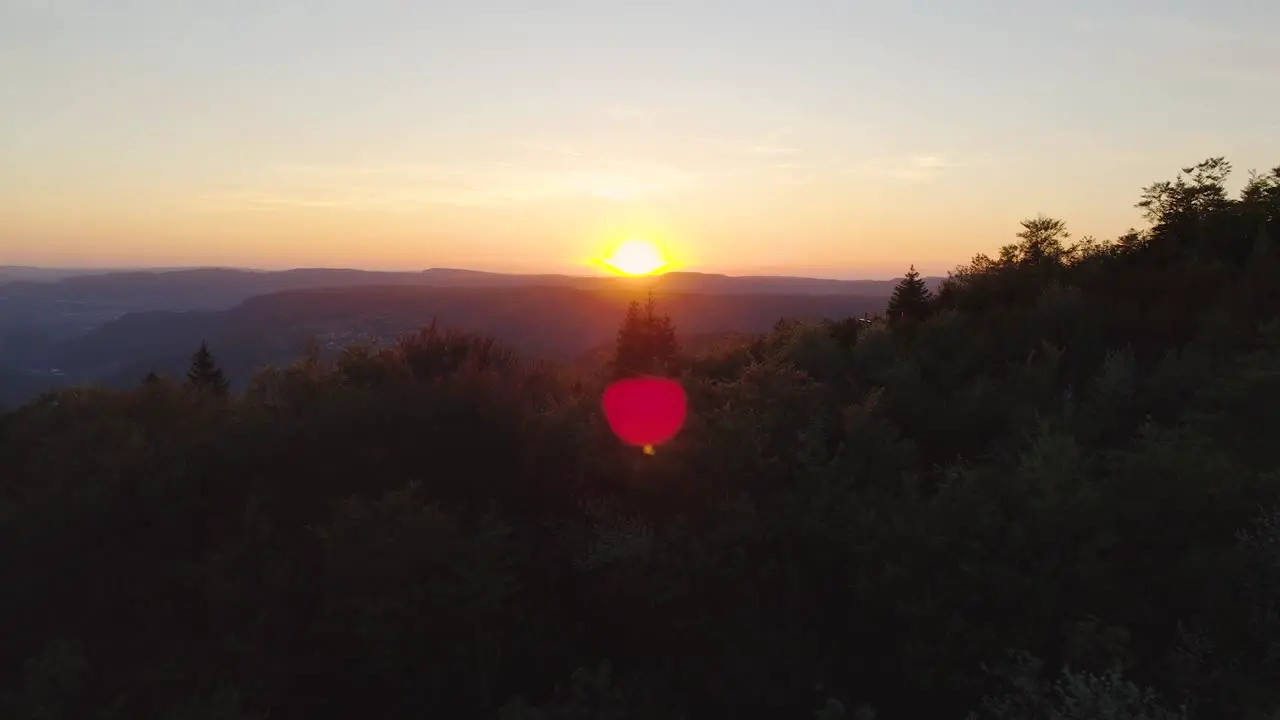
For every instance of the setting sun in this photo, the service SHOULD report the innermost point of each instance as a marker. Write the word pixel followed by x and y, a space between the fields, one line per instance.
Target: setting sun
pixel 636 257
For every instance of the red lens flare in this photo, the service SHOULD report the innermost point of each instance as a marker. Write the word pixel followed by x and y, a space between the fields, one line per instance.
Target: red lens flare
pixel 645 411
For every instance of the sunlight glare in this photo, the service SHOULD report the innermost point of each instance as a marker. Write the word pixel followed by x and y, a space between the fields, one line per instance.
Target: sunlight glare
pixel 636 257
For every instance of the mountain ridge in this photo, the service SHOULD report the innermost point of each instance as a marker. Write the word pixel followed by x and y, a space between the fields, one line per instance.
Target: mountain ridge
pixel 556 323
pixel 86 327
pixel 263 281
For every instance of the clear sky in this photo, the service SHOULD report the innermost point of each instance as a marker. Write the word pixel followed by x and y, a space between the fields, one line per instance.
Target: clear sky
pixel 840 139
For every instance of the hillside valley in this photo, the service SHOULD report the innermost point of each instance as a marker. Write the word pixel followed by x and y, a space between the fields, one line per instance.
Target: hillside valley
pixel 548 321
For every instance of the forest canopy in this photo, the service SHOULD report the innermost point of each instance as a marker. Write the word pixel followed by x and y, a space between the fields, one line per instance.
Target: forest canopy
pixel 1048 490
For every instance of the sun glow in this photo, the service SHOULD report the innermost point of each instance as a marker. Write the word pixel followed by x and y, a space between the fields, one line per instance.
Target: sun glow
pixel 636 257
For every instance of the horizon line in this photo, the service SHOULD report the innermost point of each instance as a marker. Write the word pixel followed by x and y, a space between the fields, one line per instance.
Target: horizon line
pixel 105 270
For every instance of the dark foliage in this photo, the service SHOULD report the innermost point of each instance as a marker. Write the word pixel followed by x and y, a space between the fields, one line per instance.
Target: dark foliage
pixel 646 342
pixel 204 375
pixel 95 345
pixel 911 299
pixel 1053 498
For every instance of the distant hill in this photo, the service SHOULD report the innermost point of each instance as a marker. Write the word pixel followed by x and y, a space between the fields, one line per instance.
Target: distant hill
pixel 23 273
pixel 220 288
pixel 560 323
pixel 677 282
pixel 200 289
pixel 44 310
pixel 775 285
pixel 18 386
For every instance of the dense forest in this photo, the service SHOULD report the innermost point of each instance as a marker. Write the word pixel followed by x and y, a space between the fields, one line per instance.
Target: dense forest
pixel 1048 491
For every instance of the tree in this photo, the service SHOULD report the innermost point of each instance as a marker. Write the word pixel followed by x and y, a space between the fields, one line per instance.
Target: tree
pixel 151 378
pixel 1198 190
pixel 646 341
pixel 911 299
pixel 1178 210
pixel 1042 239
pixel 204 374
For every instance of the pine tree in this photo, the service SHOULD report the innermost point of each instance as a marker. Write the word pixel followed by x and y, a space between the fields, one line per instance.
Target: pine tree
pixel 646 341
pixel 911 298
pixel 151 378
pixel 205 375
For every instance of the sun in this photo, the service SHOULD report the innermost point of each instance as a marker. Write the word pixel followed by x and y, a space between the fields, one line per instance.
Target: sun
pixel 636 257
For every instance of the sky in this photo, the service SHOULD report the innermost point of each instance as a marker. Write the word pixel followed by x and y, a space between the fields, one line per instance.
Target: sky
pixel 833 139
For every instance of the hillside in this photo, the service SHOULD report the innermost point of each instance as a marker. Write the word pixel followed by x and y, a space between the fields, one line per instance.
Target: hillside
pixel 1048 491
pixel 23 273
pixel 557 323
pixel 219 288
pixel 38 317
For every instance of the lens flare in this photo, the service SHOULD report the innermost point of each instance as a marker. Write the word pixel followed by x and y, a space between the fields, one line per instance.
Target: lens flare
pixel 645 412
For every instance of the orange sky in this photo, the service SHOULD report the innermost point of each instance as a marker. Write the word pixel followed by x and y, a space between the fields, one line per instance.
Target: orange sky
pixel 740 137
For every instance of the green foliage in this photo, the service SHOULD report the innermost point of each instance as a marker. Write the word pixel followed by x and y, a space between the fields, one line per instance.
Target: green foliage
pixel 1062 456
pixel 1073 696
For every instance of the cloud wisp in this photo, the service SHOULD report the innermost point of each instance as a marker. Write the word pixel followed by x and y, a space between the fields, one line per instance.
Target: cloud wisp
pixel 416 188
pixel 912 168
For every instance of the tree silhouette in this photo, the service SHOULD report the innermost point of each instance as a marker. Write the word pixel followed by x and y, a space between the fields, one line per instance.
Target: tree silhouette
pixel 151 378
pixel 1197 190
pixel 911 299
pixel 204 374
pixel 646 341
pixel 1042 239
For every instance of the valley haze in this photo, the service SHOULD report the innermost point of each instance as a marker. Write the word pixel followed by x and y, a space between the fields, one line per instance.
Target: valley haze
pixel 60 327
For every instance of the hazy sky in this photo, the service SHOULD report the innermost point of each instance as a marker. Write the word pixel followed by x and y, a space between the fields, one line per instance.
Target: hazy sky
pixel 843 139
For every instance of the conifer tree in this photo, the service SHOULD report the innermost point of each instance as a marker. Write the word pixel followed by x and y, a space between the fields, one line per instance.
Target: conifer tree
pixel 646 341
pixel 204 374
pixel 911 298
pixel 151 378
